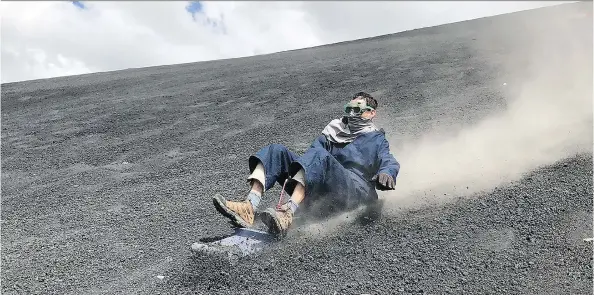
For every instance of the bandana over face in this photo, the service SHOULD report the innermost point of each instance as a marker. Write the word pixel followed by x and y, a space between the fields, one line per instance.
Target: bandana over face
pixel 351 125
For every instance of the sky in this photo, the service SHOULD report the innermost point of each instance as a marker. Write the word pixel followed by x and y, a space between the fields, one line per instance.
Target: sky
pixel 50 39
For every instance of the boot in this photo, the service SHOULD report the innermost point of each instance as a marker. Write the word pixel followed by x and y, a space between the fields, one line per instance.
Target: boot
pixel 241 213
pixel 279 220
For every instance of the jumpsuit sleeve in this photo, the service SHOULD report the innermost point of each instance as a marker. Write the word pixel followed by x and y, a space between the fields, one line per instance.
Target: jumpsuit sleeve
pixel 387 163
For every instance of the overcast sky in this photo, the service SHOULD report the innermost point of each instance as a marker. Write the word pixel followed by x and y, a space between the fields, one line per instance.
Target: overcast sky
pixel 48 39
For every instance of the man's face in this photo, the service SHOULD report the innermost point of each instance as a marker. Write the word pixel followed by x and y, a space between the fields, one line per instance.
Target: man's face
pixel 359 106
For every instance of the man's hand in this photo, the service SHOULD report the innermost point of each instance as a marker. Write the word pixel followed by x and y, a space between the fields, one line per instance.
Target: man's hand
pixel 384 181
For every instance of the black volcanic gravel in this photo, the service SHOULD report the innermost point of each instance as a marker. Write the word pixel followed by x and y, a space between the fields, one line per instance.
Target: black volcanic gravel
pixel 510 241
pixel 107 178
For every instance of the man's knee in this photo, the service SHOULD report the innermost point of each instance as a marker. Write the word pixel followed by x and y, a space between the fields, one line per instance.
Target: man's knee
pixel 273 150
pixel 271 156
pixel 311 167
pixel 276 148
pixel 309 160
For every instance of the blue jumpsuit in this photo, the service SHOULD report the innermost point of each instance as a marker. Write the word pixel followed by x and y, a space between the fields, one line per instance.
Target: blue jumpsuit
pixel 340 174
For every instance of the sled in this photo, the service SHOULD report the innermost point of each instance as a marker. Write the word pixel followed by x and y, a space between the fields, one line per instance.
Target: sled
pixel 246 241
pixel 241 243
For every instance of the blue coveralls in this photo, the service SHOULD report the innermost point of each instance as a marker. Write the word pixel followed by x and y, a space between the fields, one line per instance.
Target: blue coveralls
pixel 339 173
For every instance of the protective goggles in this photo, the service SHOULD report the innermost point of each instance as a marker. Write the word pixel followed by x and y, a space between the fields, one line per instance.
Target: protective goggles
pixel 356 108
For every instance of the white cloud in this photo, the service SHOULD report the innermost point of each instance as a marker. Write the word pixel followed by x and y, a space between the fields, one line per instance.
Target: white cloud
pixel 48 39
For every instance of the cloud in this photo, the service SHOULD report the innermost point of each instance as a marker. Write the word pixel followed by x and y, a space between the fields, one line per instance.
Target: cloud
pixel 48 39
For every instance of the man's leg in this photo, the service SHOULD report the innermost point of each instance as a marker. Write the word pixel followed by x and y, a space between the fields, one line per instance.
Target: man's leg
pixel 278 220
pixel 268 166
pixel 316 172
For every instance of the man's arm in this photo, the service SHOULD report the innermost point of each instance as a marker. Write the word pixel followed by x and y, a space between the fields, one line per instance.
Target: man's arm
pixel 387 164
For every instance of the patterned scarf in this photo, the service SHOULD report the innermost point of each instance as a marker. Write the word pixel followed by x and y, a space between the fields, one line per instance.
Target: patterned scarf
pixel 347 129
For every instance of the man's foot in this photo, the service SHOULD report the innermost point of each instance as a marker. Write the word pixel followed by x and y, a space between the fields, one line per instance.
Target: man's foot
pixel 241 213
pixel 277 221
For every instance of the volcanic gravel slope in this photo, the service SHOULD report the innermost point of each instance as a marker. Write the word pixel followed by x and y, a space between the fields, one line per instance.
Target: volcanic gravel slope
pixel 107 178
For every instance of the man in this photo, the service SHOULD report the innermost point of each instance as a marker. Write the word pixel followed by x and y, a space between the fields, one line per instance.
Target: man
pixel 344 166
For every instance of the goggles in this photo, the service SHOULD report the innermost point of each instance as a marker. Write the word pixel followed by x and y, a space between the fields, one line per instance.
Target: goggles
pixel 356 108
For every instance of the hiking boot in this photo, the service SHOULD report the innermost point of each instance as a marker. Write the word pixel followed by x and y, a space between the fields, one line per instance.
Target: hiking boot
pixel 241 213
pixel 278 221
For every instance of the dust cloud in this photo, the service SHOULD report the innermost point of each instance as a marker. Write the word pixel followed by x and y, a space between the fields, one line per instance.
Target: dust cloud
pixel 548 118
